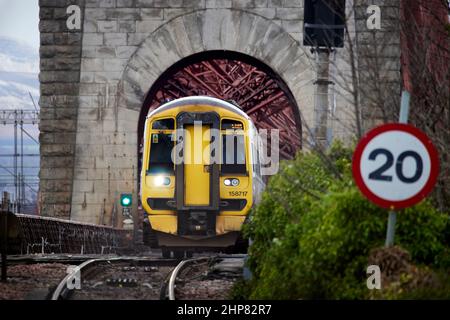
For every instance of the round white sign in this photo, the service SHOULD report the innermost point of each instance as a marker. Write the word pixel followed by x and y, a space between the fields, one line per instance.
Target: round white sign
pixel 395 165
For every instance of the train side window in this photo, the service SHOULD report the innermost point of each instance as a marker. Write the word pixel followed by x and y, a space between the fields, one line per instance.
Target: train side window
pixel 233 154
pixel 163 124
pixel 160 154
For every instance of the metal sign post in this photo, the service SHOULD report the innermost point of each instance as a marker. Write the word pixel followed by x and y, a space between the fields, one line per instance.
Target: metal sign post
pixel 395 166
pixel 392 220
pixel 5 209
pixel 321 99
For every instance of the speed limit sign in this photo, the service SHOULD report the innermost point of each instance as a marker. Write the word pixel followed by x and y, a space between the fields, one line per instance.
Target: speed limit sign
pixel 395 165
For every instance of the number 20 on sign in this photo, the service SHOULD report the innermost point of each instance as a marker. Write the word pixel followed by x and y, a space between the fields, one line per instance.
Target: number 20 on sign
pixel 395 165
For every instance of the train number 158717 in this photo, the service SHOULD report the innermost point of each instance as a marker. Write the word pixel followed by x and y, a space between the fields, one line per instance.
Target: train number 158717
pixel 237 193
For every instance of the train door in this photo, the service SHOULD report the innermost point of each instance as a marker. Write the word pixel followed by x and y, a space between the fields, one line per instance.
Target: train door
pixel 197 175
pixel 196 165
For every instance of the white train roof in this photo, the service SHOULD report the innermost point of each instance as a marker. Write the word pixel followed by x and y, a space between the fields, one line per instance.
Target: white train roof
pixel 199 100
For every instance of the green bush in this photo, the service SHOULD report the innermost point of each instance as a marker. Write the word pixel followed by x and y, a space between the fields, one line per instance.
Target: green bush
pixel 312 233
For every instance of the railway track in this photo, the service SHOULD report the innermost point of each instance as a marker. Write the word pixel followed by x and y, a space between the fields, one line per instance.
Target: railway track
pixel 124 278
pixel 203 278
pixel 189 264
pixel 119 278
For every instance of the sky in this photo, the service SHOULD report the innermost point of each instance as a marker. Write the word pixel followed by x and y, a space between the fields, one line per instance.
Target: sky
pixel 19 67
pixel 19 19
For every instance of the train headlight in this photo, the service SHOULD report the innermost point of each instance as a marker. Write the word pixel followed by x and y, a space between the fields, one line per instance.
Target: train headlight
pixel 161 181
pixel 231 182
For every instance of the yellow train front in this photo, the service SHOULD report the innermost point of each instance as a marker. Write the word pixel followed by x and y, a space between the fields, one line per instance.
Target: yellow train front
pixel 200 173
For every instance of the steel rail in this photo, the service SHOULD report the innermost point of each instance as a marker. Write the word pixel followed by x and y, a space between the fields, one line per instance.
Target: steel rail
pixel 63 284
pixel 61 289
pixel 177 269
pixel 173 277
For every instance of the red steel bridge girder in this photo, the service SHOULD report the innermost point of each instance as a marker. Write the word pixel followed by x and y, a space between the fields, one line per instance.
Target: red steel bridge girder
pixel 256 92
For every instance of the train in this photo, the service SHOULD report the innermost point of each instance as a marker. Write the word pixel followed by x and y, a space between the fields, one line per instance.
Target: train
pixel 200 176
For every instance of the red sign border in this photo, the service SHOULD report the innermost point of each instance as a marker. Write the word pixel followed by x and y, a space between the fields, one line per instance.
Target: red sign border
pixel 434 172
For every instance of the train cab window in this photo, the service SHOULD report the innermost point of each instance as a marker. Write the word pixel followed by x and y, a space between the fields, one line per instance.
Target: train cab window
pixel 233 154
pixel 163 124
pixel 160 154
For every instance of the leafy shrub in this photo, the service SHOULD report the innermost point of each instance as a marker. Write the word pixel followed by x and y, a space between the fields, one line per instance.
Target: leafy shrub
pixel 403 280
pixel 312 233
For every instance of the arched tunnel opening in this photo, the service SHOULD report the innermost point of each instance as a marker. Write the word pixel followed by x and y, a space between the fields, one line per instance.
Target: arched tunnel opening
pixel 235 77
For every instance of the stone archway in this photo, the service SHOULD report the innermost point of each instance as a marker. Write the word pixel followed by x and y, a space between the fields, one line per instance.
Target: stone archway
pixel 232 31
pixel 238 78
pixel 215 29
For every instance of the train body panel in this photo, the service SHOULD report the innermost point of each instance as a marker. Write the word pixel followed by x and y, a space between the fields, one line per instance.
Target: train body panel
pixel 200 172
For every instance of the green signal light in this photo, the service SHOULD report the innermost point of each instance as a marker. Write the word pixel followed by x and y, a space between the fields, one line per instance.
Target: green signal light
pixel 125 200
